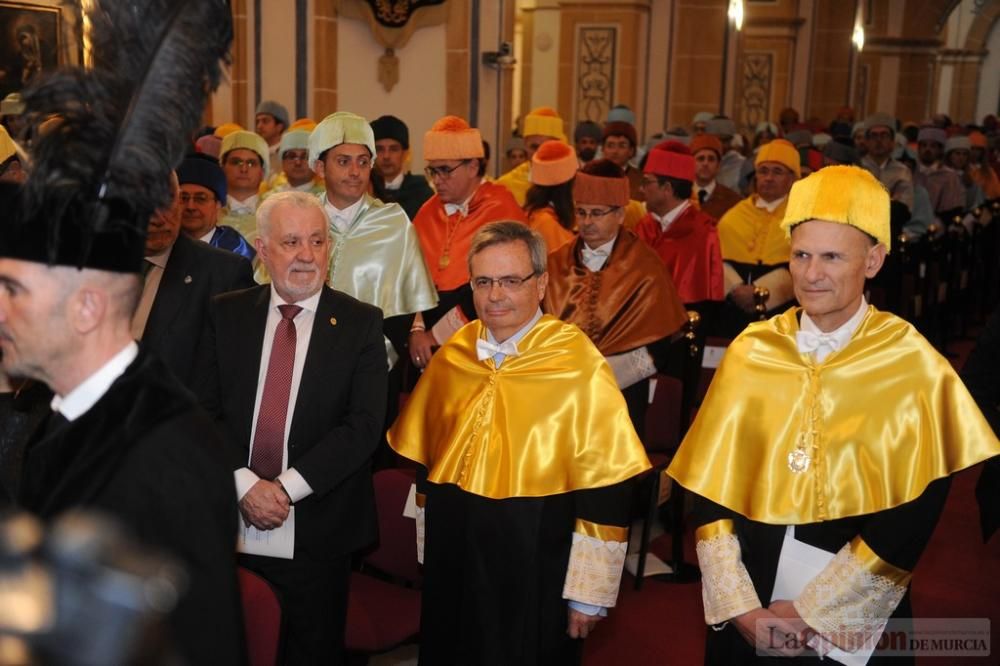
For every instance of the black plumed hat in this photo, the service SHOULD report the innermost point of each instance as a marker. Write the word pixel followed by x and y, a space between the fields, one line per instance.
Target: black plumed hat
pixel 114 131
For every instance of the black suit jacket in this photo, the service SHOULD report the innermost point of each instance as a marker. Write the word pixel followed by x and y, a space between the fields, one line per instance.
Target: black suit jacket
pixel 339 410
pixel 195 272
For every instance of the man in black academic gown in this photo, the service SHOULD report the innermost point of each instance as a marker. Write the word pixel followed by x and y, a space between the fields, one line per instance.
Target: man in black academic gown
pixel 125 438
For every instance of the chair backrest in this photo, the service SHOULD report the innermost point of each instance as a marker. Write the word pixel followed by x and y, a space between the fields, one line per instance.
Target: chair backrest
pixel 396 553
pixel 261 618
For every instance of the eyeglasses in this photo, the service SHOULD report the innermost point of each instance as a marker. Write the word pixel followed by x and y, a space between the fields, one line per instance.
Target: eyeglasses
pixel 295 155
pixel 239 162
pixel 507 282
pixel 200 198
pixel 596 213
pixel 649 182
pixel 443 171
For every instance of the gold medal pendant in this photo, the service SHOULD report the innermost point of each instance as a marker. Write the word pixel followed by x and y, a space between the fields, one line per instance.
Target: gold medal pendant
pixel 798 461
pixel 444 261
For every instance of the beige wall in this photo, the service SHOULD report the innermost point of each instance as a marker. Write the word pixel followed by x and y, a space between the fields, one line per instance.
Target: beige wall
pixel 667 61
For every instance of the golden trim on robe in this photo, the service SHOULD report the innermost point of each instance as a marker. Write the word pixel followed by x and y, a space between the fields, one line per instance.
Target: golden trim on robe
pixel 880 420
pixel 602 532
pixel 550 420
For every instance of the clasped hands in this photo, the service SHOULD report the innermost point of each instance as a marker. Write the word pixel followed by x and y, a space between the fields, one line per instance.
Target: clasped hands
pixel 777 630
pixel 265 505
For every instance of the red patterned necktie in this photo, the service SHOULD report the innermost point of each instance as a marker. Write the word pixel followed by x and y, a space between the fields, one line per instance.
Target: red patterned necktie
pixel 269 437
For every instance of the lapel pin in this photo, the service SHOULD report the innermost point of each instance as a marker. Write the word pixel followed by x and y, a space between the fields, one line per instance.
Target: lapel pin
pixel 188 279
pixel 333 321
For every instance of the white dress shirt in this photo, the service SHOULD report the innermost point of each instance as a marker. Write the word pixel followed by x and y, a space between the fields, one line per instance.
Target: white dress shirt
pixel 521 332
pixel 834 340
pixel 78 401
pixel 668 218
pixel 396 182
pixel 342 218
pixel 769 206
pixel 594 259
pixel 708 189
pixel 296 486
pixel 463 208
pixel 246 207
pixel 150 285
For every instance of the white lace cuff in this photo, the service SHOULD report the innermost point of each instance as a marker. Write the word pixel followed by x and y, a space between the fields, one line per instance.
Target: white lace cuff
pixel 446 326
pixel 595 564
pixel 726 588
pixel 420 534
pixel 850 601
pixel 631 367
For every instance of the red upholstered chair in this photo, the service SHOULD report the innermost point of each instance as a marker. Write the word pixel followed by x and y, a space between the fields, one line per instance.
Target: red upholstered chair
pixel 261 618
pixel 384 605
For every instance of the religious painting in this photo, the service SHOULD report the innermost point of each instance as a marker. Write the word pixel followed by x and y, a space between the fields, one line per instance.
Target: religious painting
pixel 29 43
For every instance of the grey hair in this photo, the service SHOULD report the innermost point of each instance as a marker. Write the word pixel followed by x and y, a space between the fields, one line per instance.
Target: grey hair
pixel 509 231
pixel 296 199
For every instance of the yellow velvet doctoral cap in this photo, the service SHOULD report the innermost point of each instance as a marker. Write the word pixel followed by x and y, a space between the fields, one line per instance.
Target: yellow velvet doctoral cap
pixel 248 141
pixel 337 128
pixel 783 153
pixel 845 194
pixel 544 121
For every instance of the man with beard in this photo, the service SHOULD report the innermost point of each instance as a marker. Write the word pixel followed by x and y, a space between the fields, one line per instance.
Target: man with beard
pixel 295 375
pixel 587 139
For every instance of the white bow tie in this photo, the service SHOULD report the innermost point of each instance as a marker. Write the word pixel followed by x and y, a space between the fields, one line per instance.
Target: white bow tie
pixel 808 341
pixel 486 349
pixel 450 209
pixel 593 254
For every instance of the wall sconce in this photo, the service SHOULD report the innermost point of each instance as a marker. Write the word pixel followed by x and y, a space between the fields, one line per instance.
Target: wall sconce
pixel 735 13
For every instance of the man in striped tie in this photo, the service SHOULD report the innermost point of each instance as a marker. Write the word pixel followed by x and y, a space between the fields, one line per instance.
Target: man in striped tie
pixel 295 375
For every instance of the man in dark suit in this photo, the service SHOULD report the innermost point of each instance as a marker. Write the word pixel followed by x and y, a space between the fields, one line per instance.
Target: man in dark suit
pixel 181 275
pixel 295 374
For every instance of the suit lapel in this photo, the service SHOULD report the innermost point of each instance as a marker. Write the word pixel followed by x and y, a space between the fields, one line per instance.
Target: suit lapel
pixel 247 343
pixel 172 292
pixel 323 343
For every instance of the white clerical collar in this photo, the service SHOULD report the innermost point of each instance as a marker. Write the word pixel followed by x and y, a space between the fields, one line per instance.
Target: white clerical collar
pixel 668 218
pixel 463 208
pixel 75 404
pixel 928 169
pixel 840 336
pixel 207 238
pixel 396 182
pixel 707 189
pixel 246 207
pixel 769 206
pixel 309 304
pixel 342 217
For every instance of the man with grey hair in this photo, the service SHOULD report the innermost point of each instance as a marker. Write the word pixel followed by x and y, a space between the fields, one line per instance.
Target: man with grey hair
pixel 880 138
pixel 732 161
pixel 509 473
pixel 295 375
